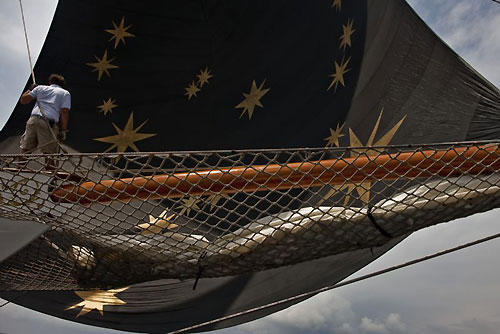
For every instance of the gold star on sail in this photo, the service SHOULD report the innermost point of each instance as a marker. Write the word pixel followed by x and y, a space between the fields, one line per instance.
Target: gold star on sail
pixel 119 32
pixel 363 189
pixel 346 36
pixel 334 136
pixel 384 141
pixel 102 65
pixel 252 99
pixel 338 76
pixel 191 90
pixel 96 300
pixel 157 224
pixel 107 106
pixel 337 4
pixel 127 137
pixel 187 205
pixel 203 77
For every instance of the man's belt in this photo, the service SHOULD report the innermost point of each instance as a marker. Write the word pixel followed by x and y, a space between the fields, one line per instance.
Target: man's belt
pixel 51 121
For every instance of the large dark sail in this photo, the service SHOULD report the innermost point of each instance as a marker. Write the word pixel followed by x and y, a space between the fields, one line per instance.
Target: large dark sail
pixel 182 69
pixel 196 75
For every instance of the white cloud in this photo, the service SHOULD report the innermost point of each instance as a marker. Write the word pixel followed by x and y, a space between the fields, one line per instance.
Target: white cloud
pixel 391 324
pixel 325 310
pixel 370 326
pixel 394 324
pixel 470 28
pixel 345 329
pixel 325 313
pixel 9 40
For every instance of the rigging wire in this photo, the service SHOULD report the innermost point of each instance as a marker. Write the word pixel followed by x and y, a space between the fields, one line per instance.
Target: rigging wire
pixel 27 43
pixel 34 80
pixel 338 285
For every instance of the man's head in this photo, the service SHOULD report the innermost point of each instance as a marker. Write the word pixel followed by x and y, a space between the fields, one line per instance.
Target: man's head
pixel 57 79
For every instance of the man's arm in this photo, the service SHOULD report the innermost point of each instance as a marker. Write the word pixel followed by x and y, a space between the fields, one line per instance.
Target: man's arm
pixel 64 118
pixel 26 98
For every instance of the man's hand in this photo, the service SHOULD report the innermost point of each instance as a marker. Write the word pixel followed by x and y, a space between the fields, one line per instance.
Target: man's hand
pixel 61 136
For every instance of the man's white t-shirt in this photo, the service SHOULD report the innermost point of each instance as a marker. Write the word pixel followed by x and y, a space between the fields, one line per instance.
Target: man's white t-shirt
pixel 52 99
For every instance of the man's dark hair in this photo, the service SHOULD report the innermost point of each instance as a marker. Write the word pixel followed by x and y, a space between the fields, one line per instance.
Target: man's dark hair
pixel 57 79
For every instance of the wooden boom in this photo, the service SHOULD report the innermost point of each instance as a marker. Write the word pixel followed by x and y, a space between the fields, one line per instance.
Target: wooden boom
pixel 452 162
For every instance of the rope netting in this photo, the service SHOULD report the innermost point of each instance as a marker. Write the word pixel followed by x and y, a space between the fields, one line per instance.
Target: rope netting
pixel 211 214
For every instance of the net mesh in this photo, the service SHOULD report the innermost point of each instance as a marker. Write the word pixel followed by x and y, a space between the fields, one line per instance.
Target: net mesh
pixel 210 214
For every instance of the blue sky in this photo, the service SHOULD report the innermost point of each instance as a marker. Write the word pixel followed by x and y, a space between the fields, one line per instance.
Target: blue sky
pixel 458 293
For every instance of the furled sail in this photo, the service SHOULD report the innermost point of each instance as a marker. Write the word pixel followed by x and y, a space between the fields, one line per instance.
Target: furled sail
pixel 226 76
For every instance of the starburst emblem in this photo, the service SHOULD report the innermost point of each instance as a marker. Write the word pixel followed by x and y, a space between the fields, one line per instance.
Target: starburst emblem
pixel 203 77
pixel 96 300
pixel 252 99
pixel 127 137
pixel 363 189
pixel 102 65
pixel 119 32
pixel 107 106
pixel 187 205
pixel 157 224
pixel 338 76
pixel 345 39
pixel 191 90
pixel 333 139
pixel 337 4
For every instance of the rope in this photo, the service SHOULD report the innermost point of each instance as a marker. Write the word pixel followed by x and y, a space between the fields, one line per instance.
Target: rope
pixel 335 286
pixel 27 43
pixel 34 80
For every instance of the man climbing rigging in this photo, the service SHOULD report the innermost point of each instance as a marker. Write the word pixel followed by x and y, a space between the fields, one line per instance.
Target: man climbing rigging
pixel 48 123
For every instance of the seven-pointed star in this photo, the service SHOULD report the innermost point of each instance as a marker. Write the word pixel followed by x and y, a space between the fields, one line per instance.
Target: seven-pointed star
pixel 127 137
pixel 337 4
pixel 119 32
pixel 333 139
pixel 252 99
pixel 107 106
pixel 346 36
pixel 102 65
pixel 97 299
pixel 203 77
pixel 338 76
pixel 191 90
